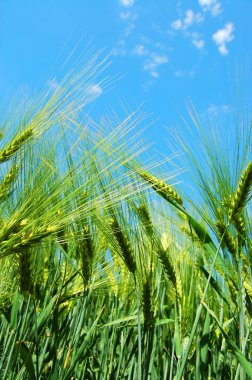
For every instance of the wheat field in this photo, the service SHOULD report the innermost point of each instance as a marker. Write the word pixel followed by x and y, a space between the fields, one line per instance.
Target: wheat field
pixel 111 270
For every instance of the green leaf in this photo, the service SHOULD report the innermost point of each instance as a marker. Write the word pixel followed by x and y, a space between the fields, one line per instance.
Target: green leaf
pixel 177 338
pixel 120 320
pixel 164 321
pixel 205 339
pixel 200 231
pixel 208 243
pixel 26 357
pixel 232 346
pixel 43 316
pixel 82 348
pixel 17 300
pixel 214 284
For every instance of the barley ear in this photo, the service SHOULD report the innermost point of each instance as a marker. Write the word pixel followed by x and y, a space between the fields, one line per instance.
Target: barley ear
pixel 145 216
pixel 165 191
pixel 239 224
pixel 86 253
pixel 22 242
pixel 7 182
pixel 168 268
pixel 124 244
pixel 15 145
pixel 241 195
pixel 227 238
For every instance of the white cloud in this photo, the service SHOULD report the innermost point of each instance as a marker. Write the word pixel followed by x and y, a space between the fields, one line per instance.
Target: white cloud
pixel 177 24
pixel 199 43
pixel 216 9
pixel 183 73
pixel 129 18
pixel 159 59
pixel 189 19
pixel 212 6
pixel 154 62
pixel 95 90
pixel 140 50
pixel 151 59
pixel 120 48
pixel 183 25
pixel 207 3
pixel 216 110
pixel 223 50
pixel 224 36
pixel 154 74
pixel 126 3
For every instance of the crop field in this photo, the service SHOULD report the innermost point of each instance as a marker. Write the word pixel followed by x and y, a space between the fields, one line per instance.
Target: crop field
pixel 112 265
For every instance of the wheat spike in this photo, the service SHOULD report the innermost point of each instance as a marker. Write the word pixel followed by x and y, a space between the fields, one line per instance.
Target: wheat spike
pixel 7 182
pixel 191 235
pixel 22 241
pixel 242 193
pixel 162 188
pixel 146 219
pixel 124 245
pixel 15 145
pixel 86 254
pixel 228 240
pixel 168 267
pixel 239 224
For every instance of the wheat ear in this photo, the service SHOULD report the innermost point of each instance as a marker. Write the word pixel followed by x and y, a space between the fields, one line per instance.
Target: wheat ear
pixel 241 195
pixel 168 268
pixel 165 191
pixel 145 216
pixel 15 145
pixel 7 182
pixel 86 254
pixel 228 240
pixel 124 244
pixel 19 242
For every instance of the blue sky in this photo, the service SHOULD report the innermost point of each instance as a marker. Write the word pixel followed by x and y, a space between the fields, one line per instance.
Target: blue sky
pixel 165 52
